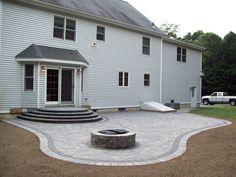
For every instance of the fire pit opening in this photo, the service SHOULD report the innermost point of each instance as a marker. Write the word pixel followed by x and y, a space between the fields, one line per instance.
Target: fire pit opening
pixel 113 131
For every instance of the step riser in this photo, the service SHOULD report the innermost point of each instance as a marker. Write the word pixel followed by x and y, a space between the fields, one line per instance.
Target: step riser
pixel 62 113
pixel 59 117
pixel 62 120
pixel 80 115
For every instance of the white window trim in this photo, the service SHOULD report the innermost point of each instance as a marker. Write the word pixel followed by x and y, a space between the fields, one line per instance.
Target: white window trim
pixel 123 79
pixel 100 33
pixel 24 90
pixel 181 54
pixel 147 86
pixel 146 46
pixel 64 28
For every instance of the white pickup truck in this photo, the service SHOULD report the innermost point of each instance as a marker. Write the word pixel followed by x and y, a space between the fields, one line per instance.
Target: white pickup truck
pixel 219 97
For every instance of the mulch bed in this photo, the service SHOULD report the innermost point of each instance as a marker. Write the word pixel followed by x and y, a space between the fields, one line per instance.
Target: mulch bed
pixel 209 154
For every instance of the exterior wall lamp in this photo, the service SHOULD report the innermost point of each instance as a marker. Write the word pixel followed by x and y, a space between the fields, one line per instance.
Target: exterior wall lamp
pixel 43 68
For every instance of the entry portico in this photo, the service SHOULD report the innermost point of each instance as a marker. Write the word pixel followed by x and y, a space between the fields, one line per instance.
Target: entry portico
pixel 58 73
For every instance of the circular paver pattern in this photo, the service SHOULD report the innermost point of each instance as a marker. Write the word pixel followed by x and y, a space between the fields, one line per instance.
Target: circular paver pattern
pixel 159 137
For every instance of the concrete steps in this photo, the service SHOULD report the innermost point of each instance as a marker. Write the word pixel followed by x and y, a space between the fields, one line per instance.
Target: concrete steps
pixel 61 115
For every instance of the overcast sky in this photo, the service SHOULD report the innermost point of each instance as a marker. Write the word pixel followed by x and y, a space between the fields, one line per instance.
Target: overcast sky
pixel 217 16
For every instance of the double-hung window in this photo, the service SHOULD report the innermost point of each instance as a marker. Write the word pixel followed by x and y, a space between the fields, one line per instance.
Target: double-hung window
pixel 101 33
pixel 123 79
pixel 146 45
pixel 181 54
pixel 147 80
pixel 64 28
pixel 29 77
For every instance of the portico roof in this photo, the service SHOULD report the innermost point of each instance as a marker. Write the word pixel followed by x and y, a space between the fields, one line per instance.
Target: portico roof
pixel 38 53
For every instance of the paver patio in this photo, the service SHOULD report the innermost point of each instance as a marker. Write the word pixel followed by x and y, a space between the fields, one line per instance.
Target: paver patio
pixel 159 136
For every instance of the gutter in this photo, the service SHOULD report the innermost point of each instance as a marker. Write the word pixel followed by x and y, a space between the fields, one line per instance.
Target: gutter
pixel 108 21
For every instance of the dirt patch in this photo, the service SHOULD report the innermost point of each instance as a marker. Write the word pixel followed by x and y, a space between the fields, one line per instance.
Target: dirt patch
pixel 209 154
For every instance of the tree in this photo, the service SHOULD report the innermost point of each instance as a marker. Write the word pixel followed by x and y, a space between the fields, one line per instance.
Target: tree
pixel 193 38
pixel 171 30
pixel 229 57
pixel 213 65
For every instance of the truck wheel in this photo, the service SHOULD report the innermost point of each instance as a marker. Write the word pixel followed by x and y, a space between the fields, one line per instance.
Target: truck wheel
pixel 232 102
pixel 205 102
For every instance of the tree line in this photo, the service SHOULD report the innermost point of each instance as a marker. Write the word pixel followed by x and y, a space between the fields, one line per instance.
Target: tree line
pixel 219 58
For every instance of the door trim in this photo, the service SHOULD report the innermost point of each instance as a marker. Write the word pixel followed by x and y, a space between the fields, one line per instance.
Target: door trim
pixel 193 94
pixel 46 76
pixel 59 102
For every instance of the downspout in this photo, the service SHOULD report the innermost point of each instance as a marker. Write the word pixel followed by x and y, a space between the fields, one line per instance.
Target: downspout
pixel 161 69
pixel 201 75
pixel 38 86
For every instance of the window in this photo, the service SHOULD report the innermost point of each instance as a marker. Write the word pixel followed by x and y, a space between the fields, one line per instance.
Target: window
pixel 29 77
pixel 147 80
pixel 70 29
pixel 181 54
pixel 100 33
pixel 214 94
pixel 64 28
pixel 146 46
pixel 58 31
pixel 123 79
pixel 225 94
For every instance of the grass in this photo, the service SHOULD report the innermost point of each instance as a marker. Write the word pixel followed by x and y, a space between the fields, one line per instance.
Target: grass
pixel 218 111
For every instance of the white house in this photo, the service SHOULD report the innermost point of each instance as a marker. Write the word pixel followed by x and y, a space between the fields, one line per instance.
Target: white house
pixel 98 52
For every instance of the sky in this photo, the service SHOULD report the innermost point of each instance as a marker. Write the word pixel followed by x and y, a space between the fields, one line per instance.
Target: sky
pixel 217 16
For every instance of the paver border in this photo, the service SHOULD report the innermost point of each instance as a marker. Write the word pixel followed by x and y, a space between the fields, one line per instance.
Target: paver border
pixel 178 148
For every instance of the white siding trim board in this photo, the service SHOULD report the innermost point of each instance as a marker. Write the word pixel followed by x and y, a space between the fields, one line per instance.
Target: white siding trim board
pixel 46 60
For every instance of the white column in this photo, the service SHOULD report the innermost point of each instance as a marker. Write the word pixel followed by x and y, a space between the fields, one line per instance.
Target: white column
pixel 38 86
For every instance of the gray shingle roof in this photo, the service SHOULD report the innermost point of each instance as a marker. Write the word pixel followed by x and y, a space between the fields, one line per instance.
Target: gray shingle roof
pixel 117 10
pixel 37 51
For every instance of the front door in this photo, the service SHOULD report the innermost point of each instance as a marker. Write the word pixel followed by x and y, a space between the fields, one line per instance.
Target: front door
pixel 60 86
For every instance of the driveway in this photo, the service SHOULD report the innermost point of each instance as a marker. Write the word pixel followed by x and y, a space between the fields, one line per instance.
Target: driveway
pixel 159 136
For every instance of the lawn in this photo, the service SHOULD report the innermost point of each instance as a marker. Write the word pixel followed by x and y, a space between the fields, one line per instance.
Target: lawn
pixel 219 111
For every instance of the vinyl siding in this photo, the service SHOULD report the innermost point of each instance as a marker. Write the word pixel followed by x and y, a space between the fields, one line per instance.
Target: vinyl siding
pixel 0 27
pixel 121 51
pixel 178 77
pixel 22 26
pixel 29 98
